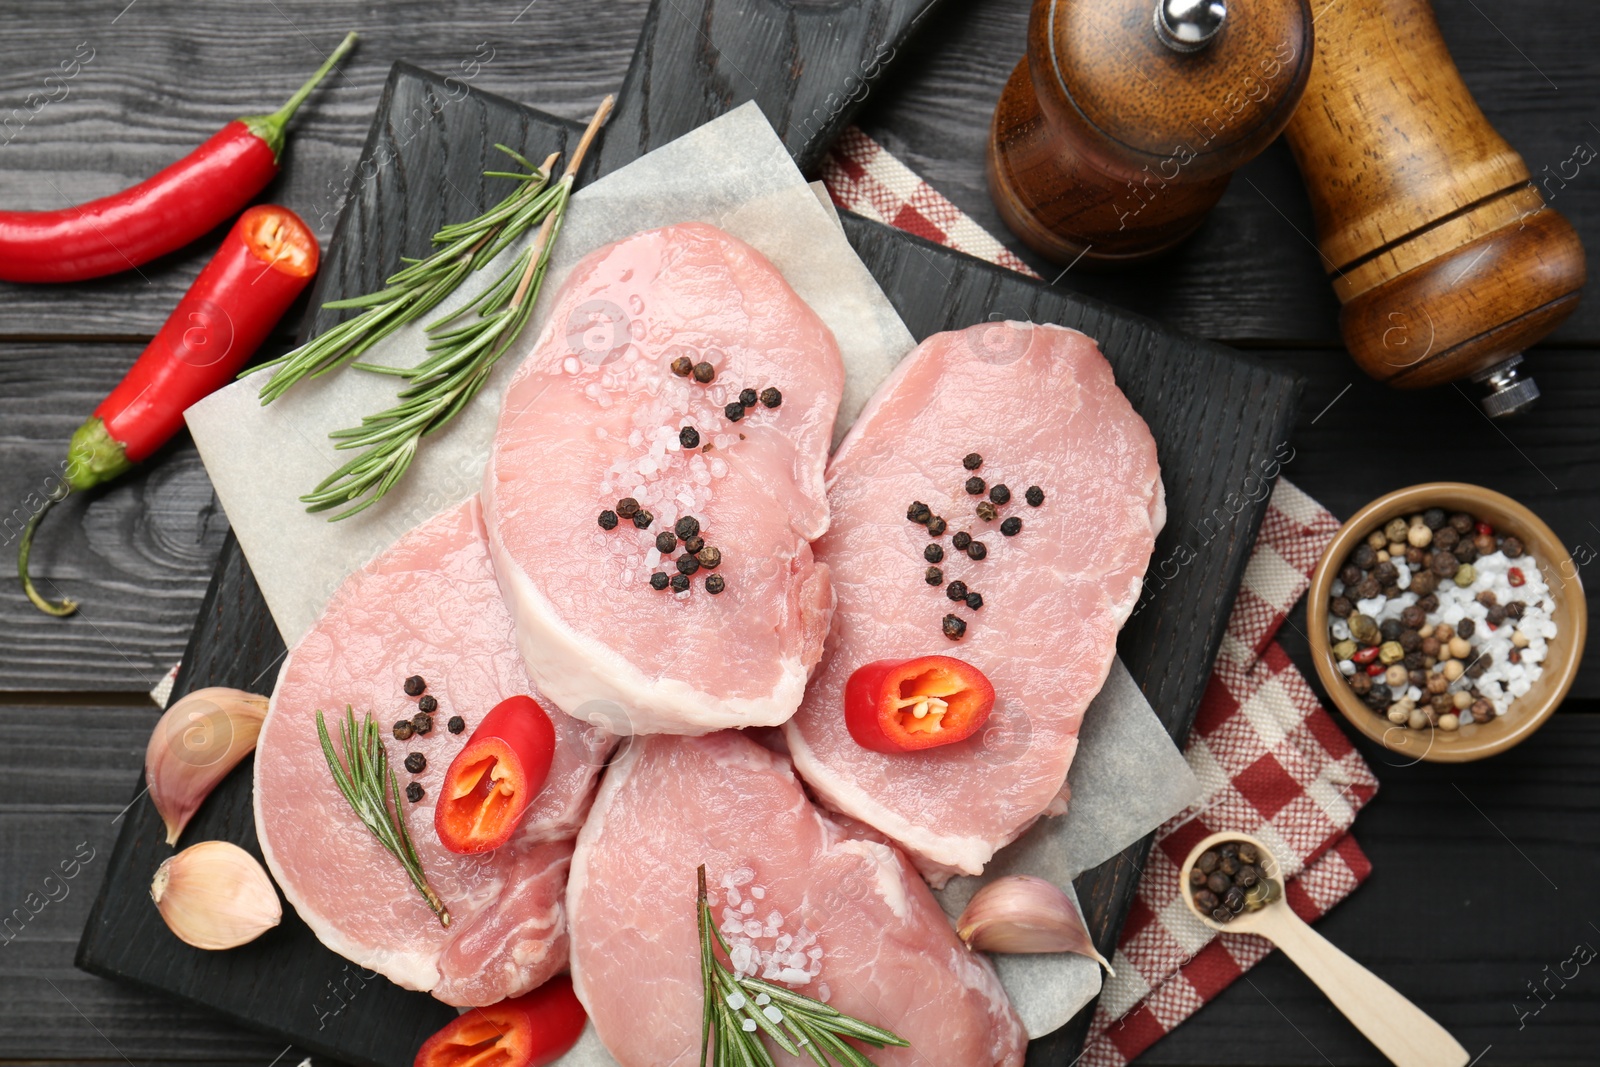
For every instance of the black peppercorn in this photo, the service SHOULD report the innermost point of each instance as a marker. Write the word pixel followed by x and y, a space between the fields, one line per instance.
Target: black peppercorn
pixel 1350 574
pixel 957 590
pixel 688 564
pixel 974 601
pixel 666 541
pixel 1417 676
pixel 977 550
pixel 1433 518
pixel 1011 527
pixel 1221 914
pixel 1462 523
pixel 683 366
pixel 422 724
pixel 1412 660
pixel 933 576
pixel 1206 900
pixel 416 763
pixel 694 544
pixel 1391 629
pixel 747 397
pixel 1364 557
pixel 1413 618
pixel 642 519
pixel 627 507
pixel 716 584
pixel 1218 883
pixel 608 520
pixel 687 526
pixel 414 685
pixel 402 730
pixel 1000 494
pixel 428 704
pixel 1228 864
pixel 1342 607
pixel 1377 698
pixel 1368 588
pixel 936 526
pixel 1360 683
pixel 1512 546
pixel 933 553
pixel 1386 573
pixel 415 792
pixel 710 557
pixel 680 583
pixel 1233 899
pixel 1429 602
pixel 954 627
pixel 689 437
pixel 456 724
pixel 659 580
pixel 1515 609
pixel 704 373
pixel 1208 861
pixel 1197 877
pixel 986 511
pixel 972 461
pixel 919 513
pixel 1035 495
pixel 770 397
pixel 974 485
pixel 961 540
pixel 1496 616
pixel 1446 539
pixel 1247 853
pixel 1465 552
pixel 1466 628
pixel 733 412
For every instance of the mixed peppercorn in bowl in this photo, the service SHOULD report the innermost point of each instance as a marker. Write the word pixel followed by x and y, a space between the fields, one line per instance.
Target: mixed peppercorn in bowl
pixel 1446 621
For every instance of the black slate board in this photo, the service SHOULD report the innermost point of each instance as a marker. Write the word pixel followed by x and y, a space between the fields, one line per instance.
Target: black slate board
pixel 1218 417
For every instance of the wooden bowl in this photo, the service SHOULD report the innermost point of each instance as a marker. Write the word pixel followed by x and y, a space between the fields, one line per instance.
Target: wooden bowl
pixel 1526 713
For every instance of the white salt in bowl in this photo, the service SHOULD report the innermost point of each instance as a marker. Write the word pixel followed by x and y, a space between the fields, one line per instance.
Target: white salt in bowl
pixel 1526 713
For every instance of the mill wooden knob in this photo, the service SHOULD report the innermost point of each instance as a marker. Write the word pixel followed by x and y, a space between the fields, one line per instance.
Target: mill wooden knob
pixel 1444 255
pixel 1119 129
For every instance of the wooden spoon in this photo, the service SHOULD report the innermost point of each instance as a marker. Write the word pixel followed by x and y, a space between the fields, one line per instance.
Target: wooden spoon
pixel 1401 1030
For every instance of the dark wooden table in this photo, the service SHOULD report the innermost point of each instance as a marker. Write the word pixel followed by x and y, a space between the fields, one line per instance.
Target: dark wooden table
pixel 1485 875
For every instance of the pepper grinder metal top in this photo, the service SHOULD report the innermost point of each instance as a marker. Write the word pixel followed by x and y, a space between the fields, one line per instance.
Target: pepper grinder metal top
pixel 1121 126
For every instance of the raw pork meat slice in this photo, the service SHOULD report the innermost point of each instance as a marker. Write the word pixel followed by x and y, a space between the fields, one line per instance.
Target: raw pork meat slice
pixel 838 918
pixel 594 415
pixel 428 605
pixel 1039 405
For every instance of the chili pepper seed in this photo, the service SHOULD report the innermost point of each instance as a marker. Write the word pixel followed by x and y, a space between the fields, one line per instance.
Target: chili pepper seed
pixel 954 628
pixel 974 485
pixel 1000 494
pixel 1035 495
pixel 933 576
pixel 414 685
pixel 974 601
pixel 422 723
pixel 689 437
pixel 733 412
pixel 687 527
pixel 704 373
pixel 643 519
pixel 957 590
pixel 429 704
pixel 680 583
pixel 456 724
pixel 416 763
pixel 415 792
pixel 666 541
pixel 608 520
pixel 715 584
pixel 402 730
pixel 770 397
pixel 1011 527
pixel 977 550
pixel 748 397
pixel 936 526
pixel 972 461
pixel 683 366
pixel 659 580
pixel 627 507
pixel 961 541
pixel 933 553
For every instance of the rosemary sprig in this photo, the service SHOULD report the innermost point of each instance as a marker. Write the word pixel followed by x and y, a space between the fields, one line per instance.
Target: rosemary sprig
pixel 739 1010
pixel 368 783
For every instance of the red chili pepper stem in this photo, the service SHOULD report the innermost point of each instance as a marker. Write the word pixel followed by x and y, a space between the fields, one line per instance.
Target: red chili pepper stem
pixel 270 128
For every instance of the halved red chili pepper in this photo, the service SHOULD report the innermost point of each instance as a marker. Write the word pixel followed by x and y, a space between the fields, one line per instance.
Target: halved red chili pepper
pixel 161 214
pixel 532 1030
pixel 907 705
pixel 493 779
pixel 264 263
pixel 1366 655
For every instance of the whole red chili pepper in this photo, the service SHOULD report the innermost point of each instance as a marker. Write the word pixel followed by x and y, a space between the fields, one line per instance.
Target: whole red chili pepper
pixel 161 214
pixel 532 1030
pixel 907 705
pixel 266 260
pixel 493 779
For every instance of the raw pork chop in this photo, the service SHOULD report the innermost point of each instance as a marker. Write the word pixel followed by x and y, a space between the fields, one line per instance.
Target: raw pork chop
pixel 1039 405
pixel 428 605
pixel 840 919
pixel 594 415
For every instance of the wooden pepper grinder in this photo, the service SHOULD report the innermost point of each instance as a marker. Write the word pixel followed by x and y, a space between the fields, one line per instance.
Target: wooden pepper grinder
pixel 1441 249
pixel 1119 129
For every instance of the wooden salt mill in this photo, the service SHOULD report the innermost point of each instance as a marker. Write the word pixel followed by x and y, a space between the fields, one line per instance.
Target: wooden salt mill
pixel 1119 129
pixel 1441 248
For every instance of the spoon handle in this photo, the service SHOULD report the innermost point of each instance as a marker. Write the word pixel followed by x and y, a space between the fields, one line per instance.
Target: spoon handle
pixel 1401 1030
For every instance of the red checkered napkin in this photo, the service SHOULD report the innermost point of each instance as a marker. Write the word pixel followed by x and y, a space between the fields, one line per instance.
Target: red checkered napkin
pixel 1269 758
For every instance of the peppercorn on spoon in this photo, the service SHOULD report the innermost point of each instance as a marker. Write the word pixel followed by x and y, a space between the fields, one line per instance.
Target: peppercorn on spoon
pixel 1402 1031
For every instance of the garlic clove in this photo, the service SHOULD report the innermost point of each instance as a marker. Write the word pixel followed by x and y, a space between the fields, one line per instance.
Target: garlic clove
pixel 1023 914
pixel 215 895
pixel 197 742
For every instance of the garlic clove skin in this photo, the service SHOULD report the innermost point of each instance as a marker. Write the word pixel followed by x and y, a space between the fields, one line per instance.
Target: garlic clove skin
pixel 197 742
pixel 215 895
pixel 1023 914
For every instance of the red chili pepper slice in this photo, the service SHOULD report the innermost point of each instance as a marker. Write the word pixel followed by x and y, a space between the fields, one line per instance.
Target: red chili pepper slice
pixel 532 1030
pixel 1365 655
pixel 908 705
pixel 161 214
pixel 495 777
pixel 264 263
pixel 1375 669
pixel 1514 576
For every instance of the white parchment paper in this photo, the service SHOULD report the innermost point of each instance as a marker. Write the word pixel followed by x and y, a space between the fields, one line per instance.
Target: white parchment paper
pixel 734 173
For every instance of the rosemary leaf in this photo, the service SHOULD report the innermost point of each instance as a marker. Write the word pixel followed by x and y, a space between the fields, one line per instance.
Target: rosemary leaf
pixel 367 782
pixel 812 1026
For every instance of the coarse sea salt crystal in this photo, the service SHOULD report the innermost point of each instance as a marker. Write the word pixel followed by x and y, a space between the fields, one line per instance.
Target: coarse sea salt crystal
pixel 752 929
pixel 758 891
pixel 734 896
pixel 743 876
pixel 748 908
